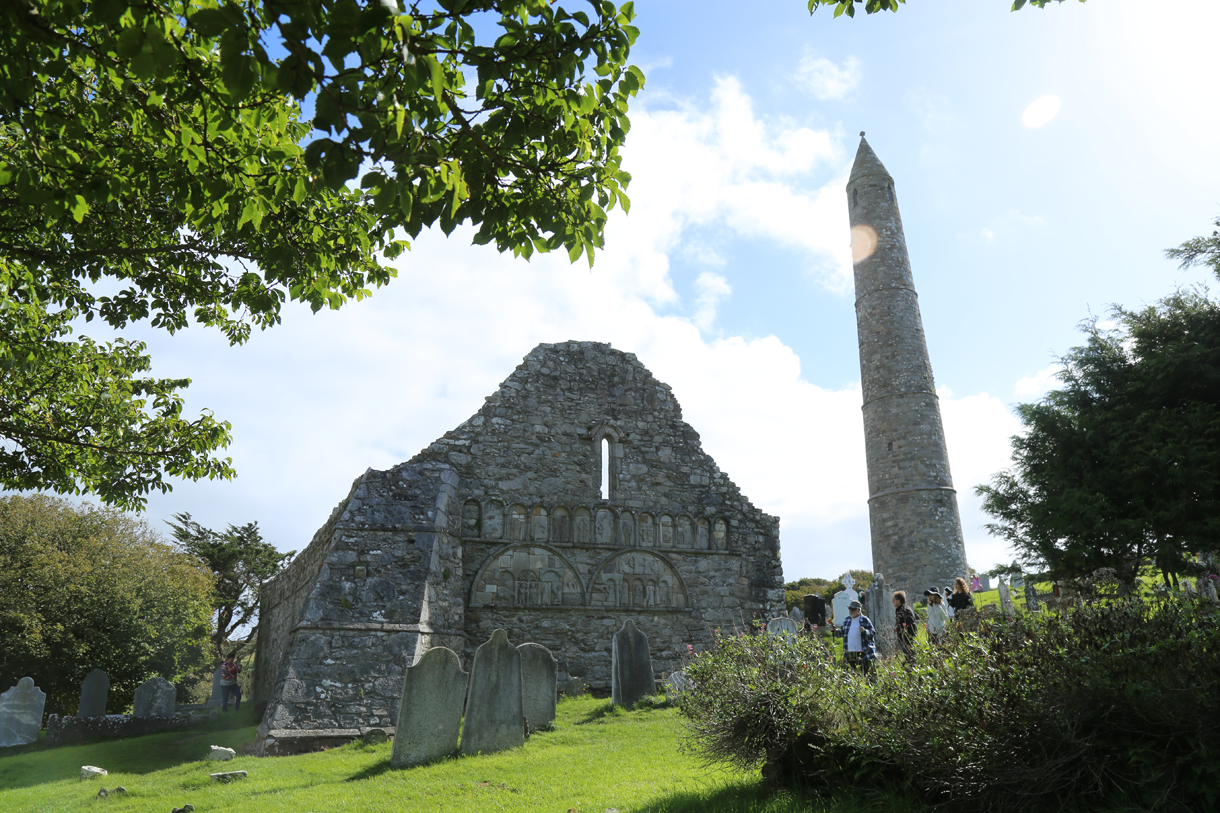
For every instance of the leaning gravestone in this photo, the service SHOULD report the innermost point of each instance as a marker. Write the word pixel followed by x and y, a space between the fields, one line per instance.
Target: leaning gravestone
pixel 783 626
pixel 539 685
pixel 631 674
pixel 155 698
pixel 217 698
pixel 430 711
pixel 844 597
pixel 796 615
pixel 1006 601
pixel 495 718
pixel 93 691
pixel 677 684
pixel 21 713
pixel 1031 596
pixel 883 617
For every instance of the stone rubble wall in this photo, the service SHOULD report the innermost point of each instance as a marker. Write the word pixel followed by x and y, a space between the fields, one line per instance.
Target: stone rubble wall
pixel 65 729
pixel 500 524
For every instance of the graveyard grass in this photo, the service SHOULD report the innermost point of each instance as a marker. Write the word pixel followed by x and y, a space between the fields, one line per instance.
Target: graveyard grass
pixel 597 757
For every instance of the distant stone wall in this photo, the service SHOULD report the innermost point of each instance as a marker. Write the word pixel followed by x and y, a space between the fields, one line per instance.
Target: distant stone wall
pixel 501 524
pixel 65 729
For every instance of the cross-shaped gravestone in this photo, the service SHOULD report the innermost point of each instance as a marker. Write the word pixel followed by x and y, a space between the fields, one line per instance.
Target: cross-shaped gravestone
pixel 848 581
pixel 844 597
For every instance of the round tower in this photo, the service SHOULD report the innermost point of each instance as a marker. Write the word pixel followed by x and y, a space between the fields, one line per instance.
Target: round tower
pixel 912 505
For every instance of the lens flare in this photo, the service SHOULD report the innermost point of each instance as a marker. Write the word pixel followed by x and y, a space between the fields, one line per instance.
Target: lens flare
pixel 863 242
pixel 1041 111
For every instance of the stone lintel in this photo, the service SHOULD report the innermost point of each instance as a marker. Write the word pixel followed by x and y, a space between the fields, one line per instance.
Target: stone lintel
pixel 373 626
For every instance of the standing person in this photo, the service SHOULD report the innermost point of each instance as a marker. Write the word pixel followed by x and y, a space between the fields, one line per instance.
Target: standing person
pixel 961 598
pixel 859 649
pixel 904 626
pixel 938 616
pixel 229 670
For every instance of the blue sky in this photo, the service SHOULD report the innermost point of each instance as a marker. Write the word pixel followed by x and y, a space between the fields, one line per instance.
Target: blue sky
pixel 730 279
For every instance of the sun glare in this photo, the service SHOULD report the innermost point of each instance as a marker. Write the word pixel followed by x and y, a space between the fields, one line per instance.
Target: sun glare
pixel 863 242
pixel 1041 111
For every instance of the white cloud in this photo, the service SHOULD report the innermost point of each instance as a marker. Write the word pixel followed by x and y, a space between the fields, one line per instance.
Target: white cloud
pixel 323 397
pixel 713 289
pixel 826 80
pixel 1012 223
pixel 1035 386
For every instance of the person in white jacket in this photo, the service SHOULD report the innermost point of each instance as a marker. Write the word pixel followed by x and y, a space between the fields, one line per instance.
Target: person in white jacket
pixel 938 616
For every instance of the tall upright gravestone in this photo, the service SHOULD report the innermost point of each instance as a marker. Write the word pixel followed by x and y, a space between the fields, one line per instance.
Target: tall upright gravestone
pixel 631 674
pixel 156 697
pixel 539 685
pixel 495 717
pixel 217 698
pixel 883 617
pixel 430 711
pixel 93 691
pixel 844 597
pixel 815 610
pixel 1006 601
pixel 21 713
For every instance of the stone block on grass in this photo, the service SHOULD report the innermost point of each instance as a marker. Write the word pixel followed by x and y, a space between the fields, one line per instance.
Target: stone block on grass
pixel 221 754
pixel 430 711
pixel 228 776
pixel 92 772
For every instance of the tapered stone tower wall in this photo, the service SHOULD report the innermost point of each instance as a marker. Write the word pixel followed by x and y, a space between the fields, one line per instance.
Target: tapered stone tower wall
pixel 916 528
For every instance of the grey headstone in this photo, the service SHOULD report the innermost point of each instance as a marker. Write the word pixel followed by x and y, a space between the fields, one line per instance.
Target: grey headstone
pixel 796 615
pixel 217 699
pixel 375 736
pixel 678 683
pixel 1006 601
pixel 782 626
pixel 1018 580
pixel 539 685
pixel 575 687
pixel 883 617
pixel 156 697
pixel 430 711
pixel 93 691
pixel 1031 596
pixel 631 674
pixel 21 713
pixel 1188 587
pixel 495 719
pixel 986 580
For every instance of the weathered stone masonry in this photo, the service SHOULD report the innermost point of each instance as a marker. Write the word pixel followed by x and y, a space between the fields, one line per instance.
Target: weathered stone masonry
pixel 501 524
pixel 916 530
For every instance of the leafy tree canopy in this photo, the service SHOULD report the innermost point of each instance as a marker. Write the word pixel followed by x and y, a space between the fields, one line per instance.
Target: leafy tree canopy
pixel 84 588
pixel 848 7
pixel 170 160
pixel 241 561
pixel 1123 461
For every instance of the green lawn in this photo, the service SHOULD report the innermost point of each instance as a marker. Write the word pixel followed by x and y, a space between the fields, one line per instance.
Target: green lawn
pixel 597 758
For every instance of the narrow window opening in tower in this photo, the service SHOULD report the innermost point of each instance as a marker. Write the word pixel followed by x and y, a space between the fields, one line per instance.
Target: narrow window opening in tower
pixel 855 197
pixel 889 193
pixel 889 447
pixel 605 449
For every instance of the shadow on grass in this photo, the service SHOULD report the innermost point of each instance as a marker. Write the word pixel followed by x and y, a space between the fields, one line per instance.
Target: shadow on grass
pixel 372 771
pixel 607 709
pixel 38 763
pixel 755 797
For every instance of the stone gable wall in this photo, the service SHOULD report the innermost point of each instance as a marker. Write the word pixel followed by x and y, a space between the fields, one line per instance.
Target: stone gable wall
pixel 500 524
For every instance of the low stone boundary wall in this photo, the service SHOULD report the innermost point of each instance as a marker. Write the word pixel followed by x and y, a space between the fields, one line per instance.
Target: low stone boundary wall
pixel 65 729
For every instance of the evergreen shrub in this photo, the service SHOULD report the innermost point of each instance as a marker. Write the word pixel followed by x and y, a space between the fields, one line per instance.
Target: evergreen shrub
pixel 1104 702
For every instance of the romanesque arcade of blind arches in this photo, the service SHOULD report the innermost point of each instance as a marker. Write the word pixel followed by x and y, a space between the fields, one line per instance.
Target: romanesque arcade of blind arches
pixel 540 574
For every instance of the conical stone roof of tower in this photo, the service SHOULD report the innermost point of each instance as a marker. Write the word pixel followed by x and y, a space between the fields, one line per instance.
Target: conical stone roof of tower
pixel 867 162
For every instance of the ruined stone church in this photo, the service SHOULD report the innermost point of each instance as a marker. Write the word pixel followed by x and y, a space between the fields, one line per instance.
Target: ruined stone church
pixel 574 499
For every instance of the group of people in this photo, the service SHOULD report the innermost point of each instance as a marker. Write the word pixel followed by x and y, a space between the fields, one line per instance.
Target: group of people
pixel 859 634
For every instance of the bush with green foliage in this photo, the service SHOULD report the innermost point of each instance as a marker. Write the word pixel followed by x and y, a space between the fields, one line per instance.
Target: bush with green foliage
pixel 1109 701
pixel 83 588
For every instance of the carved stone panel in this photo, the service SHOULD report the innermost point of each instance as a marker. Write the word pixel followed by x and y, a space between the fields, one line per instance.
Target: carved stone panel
pixel 626 530
pixel 603 532
pixel 582 527
pixel 517 523
pixel 542 530
pixel 720 535
pixel 637 579
pixel 470 519
pixel 685 535
pixel 667 531
pixel 647 535
pixel 493 519
pixel 701 534
pixel 561 525
pixel 527 576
